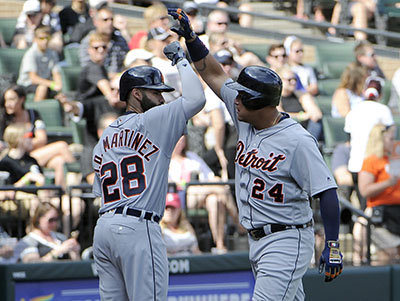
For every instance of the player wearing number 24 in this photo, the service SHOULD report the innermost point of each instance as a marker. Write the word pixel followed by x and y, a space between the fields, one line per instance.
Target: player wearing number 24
pixel 131 163
pixel 278 168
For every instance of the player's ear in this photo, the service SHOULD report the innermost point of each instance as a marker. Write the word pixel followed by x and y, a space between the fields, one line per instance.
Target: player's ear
pixel 137 94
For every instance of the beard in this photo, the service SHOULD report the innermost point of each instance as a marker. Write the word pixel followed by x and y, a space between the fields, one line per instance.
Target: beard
pixel 147 103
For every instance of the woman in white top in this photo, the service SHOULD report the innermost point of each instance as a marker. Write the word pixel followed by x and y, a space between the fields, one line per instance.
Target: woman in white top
pixel 350 89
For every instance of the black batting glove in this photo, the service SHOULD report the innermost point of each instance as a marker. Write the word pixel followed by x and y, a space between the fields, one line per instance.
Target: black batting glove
pixel 184 29
pixel 332 260
pixel 174 52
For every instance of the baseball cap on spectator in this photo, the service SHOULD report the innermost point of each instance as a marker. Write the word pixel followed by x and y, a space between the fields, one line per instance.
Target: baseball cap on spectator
pixel 137 54
pixel 158 33
pixel 191 8
pixel 31 7
pixel 97 4
pixel 173 200
pixel 373 88
pixel 224 57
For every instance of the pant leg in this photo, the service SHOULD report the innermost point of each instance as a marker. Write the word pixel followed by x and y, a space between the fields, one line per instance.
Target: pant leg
pixel 280 261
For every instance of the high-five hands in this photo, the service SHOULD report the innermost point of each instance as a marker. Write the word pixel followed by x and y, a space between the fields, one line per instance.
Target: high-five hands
pixel 185 29
pixel 174 52
pixel 332 260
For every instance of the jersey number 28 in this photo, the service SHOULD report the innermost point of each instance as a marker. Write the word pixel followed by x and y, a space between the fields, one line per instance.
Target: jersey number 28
pixel 132 176
pixel 275 192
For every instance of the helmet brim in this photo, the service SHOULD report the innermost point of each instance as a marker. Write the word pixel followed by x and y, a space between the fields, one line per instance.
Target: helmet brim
pixel 238 87
pixel 160 87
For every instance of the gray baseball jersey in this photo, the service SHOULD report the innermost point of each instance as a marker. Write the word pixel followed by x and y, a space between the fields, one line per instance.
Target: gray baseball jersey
pixel 131 163
pixel 278 169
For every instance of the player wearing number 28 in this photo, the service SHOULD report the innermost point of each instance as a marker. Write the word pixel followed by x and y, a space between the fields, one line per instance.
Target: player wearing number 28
pixel 278 168
pixel 131 163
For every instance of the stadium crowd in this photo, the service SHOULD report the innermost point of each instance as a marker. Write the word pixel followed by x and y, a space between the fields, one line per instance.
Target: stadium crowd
pixel 72 57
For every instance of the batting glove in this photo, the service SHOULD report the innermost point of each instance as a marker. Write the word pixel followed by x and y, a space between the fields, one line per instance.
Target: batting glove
pixel 332 260
pixel 184 29
pixel 174 52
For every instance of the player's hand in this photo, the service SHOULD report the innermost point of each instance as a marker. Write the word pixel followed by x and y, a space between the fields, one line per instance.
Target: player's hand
pixel 332 260
pixel 174 52
pixel 184 29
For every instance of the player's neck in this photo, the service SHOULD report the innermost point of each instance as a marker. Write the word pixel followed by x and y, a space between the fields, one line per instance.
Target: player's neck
pixel 266 118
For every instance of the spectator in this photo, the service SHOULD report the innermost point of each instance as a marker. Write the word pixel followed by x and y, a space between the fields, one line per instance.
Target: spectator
pixel 155 16
pixel 295 52
pixel 39 72
pixel 359 122
pixel 7 245
pixel 82 29
pixel 217 22
pixel 121 24
pixel 51 155
pixel 360 11
pixel 192 11
pixel 23 169
pixel 157 39
pixel 277 58
pixel 350 90
pixel 365 56
pixel 394 101
pixel 379 183
pixel 51 19
pixel 43 242
pixel 29 19
pixel 71 16
pixel 186 166
pixel 179 235
pixel 117 46
pixel 137 57
pixel 300 106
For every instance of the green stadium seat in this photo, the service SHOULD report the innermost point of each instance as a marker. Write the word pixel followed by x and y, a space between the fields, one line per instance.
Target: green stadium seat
pixel 10 61
pixel 52 115
pixel 78 131
pixel 259 49
pixel 7 29
pixel 333 131
pixel 328 86
pixel 387 89
pixel 331 57
pixel 70 76
pixel 324 103
pixel 71 55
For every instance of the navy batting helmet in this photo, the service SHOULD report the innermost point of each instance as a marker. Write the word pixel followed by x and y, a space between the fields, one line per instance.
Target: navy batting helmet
pixel 141 77
pixel 262 86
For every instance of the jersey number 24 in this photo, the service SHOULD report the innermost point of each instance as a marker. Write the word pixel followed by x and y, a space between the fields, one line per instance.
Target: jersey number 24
pixel 130 174
pixel 275 192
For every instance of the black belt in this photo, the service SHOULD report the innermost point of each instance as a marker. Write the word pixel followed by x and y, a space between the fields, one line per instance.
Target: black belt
pixel 134 212
pixel 259 233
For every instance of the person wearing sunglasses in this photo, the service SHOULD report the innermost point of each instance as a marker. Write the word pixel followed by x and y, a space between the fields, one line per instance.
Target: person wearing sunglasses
pixel 365 56
pixel 39 72
pixel 117 47
pixel 295 50
pixel 44 242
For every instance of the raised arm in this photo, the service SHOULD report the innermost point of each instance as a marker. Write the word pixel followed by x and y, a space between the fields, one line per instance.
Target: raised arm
pixel 205 63
pixel 192 89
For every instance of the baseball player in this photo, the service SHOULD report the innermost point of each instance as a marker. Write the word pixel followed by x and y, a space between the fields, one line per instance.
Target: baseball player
pixel 278 168
pixel 131 163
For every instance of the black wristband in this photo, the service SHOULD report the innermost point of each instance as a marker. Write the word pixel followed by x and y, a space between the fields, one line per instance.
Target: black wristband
pixel 197 50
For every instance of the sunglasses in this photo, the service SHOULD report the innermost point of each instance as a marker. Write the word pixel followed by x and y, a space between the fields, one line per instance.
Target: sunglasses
pixel 163 18
pixel 108 19
pixel 101 47
pixel 278 56
pixel 43 38
pixel 222 23
pixel 53 220
pixel 291 80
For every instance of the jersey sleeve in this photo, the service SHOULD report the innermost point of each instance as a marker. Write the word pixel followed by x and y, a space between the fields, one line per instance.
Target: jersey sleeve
pixel 228 95
pixel 309 169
